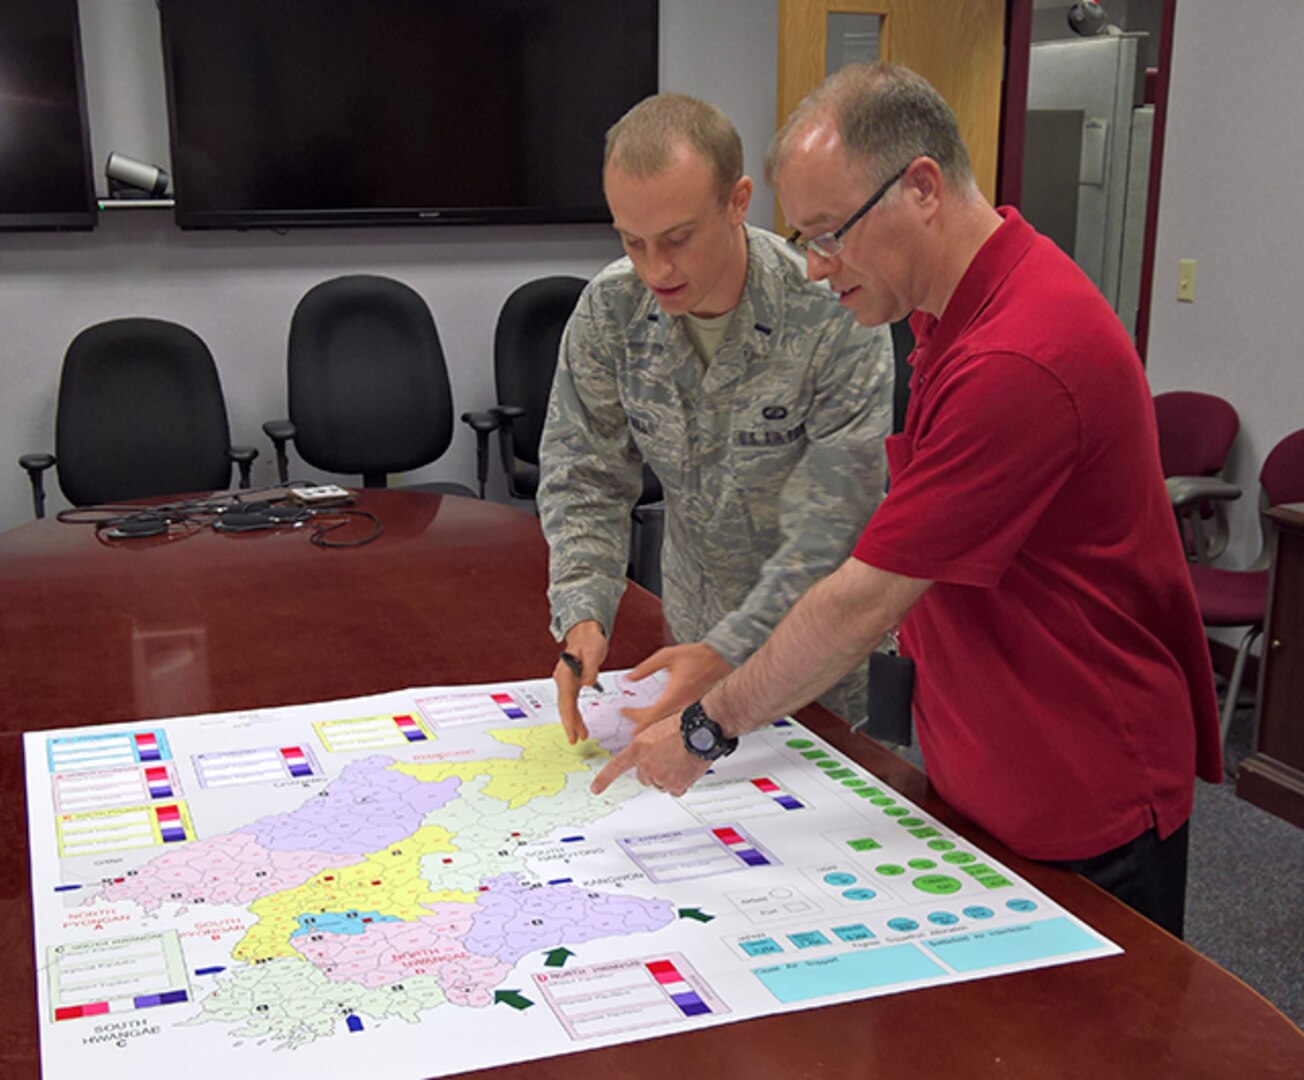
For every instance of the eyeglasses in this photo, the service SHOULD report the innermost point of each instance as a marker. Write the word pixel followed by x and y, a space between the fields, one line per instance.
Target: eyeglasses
pixel 829 245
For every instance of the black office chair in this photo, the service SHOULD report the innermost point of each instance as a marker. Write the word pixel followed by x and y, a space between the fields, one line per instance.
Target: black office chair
pixel 368 388
pixel 526 343
pixel 140 413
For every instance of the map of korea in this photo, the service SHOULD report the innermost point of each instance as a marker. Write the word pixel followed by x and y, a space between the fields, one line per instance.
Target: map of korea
pixel 400 885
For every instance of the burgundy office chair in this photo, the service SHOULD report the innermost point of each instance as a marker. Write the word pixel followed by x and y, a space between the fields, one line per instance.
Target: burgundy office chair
pixel 1196 432
pixel 1240 597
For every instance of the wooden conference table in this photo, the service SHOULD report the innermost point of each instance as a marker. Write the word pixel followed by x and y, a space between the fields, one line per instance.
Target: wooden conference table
pixel 453 592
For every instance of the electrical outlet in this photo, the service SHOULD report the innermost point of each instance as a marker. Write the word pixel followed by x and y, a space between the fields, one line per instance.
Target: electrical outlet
pixel 1186 280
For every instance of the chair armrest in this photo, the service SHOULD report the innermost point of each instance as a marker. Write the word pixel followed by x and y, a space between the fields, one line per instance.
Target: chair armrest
pixel 244 457
pixel 36 464
pixel 1185 490
pixel 280 432
pixel 507 414
pixel 482 423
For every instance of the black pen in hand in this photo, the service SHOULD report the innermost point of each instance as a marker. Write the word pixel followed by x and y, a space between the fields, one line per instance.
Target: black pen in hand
pixel 577 668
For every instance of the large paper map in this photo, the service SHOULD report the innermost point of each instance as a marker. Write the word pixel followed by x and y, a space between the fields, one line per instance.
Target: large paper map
pixel 419 883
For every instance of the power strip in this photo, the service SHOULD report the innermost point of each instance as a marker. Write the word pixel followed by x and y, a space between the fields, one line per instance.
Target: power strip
pixel 321 495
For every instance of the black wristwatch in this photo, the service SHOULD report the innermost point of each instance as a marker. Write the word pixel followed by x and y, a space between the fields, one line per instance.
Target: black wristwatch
pixel 702 735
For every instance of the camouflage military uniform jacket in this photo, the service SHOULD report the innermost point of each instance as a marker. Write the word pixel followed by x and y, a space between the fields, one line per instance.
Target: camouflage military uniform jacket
pixel 771 457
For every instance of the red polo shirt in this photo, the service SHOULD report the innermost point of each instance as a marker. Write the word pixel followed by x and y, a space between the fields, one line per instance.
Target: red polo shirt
pixel 1064 697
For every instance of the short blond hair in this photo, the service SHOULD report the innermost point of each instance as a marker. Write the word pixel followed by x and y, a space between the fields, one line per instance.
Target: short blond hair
pixel 887 115
pixel 645 140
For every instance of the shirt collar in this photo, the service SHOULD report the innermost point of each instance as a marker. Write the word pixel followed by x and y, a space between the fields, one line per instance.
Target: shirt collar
pixel 760 308
pixel 989 268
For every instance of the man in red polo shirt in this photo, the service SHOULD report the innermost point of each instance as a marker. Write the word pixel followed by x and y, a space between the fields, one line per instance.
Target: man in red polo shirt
pixel 1027 550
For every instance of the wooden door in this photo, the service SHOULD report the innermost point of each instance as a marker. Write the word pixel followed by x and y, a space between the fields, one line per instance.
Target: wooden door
pixel 958 45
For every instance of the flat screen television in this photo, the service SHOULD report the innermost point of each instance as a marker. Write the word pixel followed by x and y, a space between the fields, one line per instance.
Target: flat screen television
pixel 45 155
pixel 288 113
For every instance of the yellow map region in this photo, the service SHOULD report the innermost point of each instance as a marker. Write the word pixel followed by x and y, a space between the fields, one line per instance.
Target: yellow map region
pixel 541 770
pixel 388 881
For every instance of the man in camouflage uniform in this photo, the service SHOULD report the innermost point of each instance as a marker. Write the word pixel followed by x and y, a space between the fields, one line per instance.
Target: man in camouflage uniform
pixel 760 406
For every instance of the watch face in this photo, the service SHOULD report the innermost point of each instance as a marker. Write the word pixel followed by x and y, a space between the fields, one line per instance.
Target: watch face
pixel 702 739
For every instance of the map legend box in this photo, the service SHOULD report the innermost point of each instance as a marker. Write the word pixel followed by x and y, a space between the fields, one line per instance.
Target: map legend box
pixel 97 831
pixel 95 978
pixel 458 710
pixel 627 995
pixel 260 765
pixel 73 752
pixel 95 789
pixel 370 733
pixel 695 853
pixel 731 800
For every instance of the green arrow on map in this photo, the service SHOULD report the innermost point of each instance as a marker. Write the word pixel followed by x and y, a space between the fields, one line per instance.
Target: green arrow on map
pixel 512 998
pixel 695 913
pixel 558 957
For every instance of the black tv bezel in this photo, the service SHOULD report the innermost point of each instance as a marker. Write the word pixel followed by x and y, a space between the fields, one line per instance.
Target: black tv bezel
pixel 65 220
pixel 282 220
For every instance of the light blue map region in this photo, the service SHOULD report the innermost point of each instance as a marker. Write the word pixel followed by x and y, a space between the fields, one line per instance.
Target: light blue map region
pixel 340 922
pixel 1013 944
pixel 847 973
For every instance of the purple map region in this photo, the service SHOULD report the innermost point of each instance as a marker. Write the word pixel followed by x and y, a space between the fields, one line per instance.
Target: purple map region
pixel 365 810
pixel 512 919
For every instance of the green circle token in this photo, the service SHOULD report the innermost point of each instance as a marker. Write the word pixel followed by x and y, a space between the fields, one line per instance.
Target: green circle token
pixel 937 884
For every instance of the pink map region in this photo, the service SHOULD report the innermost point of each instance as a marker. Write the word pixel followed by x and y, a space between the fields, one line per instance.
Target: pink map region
pixel 228 869
pixel 389 952
pixel 512 919
pixel 365 810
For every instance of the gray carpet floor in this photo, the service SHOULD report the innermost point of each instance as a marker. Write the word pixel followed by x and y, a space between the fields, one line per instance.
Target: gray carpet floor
pixel 1245 885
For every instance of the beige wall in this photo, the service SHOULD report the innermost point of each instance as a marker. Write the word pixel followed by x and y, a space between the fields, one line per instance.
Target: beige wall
pixel 1233 159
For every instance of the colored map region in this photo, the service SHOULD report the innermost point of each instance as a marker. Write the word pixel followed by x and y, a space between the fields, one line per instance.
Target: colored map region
pixel 399 877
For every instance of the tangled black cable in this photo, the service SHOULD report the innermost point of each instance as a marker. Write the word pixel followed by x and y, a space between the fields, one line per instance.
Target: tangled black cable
pixel 126 521
pixel 320 531
pixel 229 512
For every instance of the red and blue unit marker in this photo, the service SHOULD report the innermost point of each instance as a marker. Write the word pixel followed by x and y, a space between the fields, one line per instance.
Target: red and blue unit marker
pixel 159 783
pixel 147 747
pixel 767 786
pixel 101 1008
pixel 509 707
pixel 169 824
pixel 296 761
pixel 673 983
pixel 740 846
pixel 410 728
